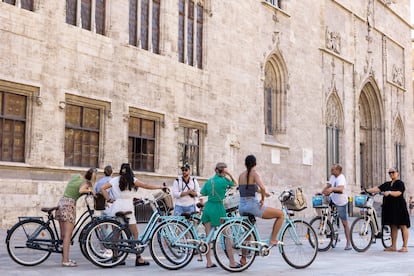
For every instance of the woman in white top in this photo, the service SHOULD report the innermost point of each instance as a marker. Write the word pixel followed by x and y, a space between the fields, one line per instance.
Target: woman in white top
pixel 124 188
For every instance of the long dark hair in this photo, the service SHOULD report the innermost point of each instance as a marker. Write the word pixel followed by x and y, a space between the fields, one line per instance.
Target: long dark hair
pixel 126 180
pixel 249 162
pixel 90 175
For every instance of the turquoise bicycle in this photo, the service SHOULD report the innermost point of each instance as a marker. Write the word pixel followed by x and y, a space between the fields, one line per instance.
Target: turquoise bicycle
pixel 299 241
pixel 175 242
pixel 108 242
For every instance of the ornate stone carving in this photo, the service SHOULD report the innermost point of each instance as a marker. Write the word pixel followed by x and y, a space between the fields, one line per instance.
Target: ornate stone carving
pixel 397 75
pixel 332 112
pixel 333 41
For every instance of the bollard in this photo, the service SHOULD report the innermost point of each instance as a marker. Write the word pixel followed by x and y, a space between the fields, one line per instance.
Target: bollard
pixel 350 207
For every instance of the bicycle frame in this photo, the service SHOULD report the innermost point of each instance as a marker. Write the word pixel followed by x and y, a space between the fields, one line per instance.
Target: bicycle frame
pixel 370 215
pixel 263 243
pixel 330 214
pixel 132 245
pixel 57 241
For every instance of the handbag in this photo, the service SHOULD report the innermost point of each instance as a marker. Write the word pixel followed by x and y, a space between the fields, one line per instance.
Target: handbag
pixel 99 202
pixel 231 199
pixel 297 200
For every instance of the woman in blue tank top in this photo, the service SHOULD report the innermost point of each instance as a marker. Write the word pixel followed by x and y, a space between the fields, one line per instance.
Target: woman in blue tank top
pixel 250 183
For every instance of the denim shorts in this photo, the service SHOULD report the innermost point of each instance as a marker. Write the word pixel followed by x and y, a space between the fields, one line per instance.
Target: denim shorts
pixel 178 210
pixel 250 205
pixel 342 212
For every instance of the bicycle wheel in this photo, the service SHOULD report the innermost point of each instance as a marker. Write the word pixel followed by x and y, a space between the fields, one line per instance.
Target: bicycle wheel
pixel 82 238
pixel 386 236
pixel 325 234
pixel 362 234
pixel 235 240
pixel 170 245
pixel 28 242
pixel 335 235
pixel 105 242
pixel 299 247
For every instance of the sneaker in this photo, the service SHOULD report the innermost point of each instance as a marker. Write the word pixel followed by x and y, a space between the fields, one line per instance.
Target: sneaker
pixel 106 253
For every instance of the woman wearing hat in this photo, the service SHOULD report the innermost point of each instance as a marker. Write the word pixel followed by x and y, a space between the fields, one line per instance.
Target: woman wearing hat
pixel 215 188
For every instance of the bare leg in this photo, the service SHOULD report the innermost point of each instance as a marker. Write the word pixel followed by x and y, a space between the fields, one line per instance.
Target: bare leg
pixel 207 227
pixel 347 232
pixel 271 213
pixel 134 231
pixel 394 236
pixel 66 229
pixel 404 231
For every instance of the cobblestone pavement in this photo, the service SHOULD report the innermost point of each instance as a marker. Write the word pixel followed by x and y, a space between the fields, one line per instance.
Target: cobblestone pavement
pixel 335 261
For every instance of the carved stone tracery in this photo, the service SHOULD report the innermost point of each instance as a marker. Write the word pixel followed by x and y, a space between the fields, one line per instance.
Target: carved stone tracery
pixel 333 41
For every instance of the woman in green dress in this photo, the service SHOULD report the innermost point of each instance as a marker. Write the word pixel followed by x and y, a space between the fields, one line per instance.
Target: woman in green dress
pixel 215 188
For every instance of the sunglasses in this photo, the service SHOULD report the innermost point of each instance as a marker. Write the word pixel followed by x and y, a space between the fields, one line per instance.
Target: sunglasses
pixel 391 172
pixel 184 170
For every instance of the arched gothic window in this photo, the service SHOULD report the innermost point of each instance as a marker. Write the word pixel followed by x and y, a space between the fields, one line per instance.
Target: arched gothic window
pixel 275 97
pixel 334 121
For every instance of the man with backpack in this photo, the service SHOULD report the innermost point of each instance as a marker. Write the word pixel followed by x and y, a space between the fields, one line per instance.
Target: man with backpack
pixel 186 192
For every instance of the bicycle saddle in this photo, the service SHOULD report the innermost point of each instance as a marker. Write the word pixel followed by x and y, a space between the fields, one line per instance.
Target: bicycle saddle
pixel 49 209
pixel 123 214
pixel 250 217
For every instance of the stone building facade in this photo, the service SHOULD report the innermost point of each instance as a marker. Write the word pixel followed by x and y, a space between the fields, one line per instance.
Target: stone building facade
pixel 300 84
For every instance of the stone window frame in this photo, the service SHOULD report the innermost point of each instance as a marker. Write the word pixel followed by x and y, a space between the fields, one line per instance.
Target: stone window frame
pixel 144 29
pixel 104 109
pixel 274 3
pixel 81 11
pixel 334 126
pixel 194 162
pixel 275 92
pixel 24 4
pixel 191 32
pixel 399 143
pixel 158 119
pixel 32 95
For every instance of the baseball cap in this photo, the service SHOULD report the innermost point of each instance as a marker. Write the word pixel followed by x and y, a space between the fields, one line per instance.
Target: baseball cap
pixel 185 166
pixel 221 165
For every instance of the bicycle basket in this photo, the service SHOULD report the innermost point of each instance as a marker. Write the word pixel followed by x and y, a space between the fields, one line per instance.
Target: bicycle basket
pixel 320 201
pixel 363 201
pixel 296 201
pixel 164 201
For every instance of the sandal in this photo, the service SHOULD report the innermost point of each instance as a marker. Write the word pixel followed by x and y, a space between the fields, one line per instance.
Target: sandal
pixel 403 249
pixel 144 263
pixel 69 264
pixel 389 249
pixel 276 243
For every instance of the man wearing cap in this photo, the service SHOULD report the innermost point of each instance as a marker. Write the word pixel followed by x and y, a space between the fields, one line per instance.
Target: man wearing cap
pixel 215 188
pixel 186 192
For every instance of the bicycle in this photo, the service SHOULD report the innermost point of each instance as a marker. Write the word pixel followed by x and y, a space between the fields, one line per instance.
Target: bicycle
pixel 114 234
pixel 327 224
pixel 177 241
pixel 299 244
pixel 365 229
pixel 31 240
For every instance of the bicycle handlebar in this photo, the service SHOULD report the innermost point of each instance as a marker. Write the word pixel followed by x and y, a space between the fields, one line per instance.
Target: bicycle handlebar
pixel 365 192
